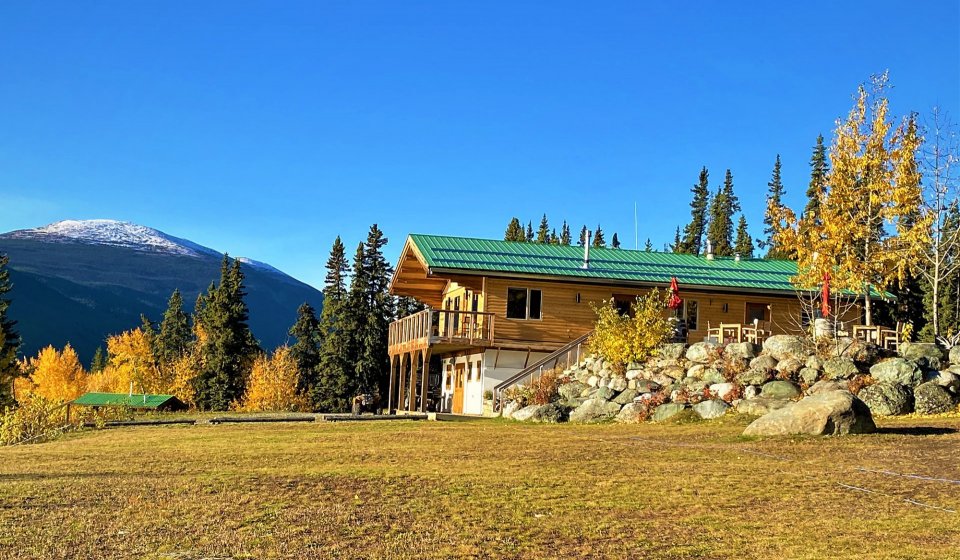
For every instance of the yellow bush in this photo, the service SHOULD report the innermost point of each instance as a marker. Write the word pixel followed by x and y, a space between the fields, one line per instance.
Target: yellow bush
pixel 273 384
pixel 620 339
pixel 35 419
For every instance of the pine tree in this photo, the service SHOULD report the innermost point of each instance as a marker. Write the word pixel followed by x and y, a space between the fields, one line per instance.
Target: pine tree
pixel 648 246
pixel 692 241
pixel 724 205
pixel 99 361
pixel 514 231
pixel 229 347
pixel 373 304
pixel 337 351
pixel 677 246
pixel 9 339
pixel 583 236
pixel 819 171
pixel 774 209
pixel 406 306
pixel 598 240
pixel 554 240
pixel 305 351
pixel 565 238
pixel 173 340
pixel 615 243
pixel 543 232
pixel 744 243
pixel 529 235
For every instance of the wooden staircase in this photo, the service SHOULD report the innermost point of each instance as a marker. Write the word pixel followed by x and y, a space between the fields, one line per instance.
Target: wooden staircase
pixel 563 357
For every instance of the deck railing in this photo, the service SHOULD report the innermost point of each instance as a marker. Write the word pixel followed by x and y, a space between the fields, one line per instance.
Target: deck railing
pixel 564 357
pixel 432 326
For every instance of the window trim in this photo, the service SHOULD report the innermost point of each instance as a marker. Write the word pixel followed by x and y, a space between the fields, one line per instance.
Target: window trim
pixel 527 304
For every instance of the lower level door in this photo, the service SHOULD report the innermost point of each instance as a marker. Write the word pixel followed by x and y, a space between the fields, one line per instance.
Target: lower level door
pixel 458 389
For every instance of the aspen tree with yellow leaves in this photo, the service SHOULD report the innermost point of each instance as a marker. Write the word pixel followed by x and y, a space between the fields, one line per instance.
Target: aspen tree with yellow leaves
pixel 130 361
pixel 870 232
pixel 54 375
pixel 273 384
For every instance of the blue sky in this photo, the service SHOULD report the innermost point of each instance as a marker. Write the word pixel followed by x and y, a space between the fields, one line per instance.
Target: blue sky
pixel 266 129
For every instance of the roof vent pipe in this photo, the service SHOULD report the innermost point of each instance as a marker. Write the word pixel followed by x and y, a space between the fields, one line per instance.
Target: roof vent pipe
pixel 586 250
pixel 736 257
pixel 709 250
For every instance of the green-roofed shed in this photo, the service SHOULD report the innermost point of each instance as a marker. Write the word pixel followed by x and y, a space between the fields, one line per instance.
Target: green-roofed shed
pixel 132 401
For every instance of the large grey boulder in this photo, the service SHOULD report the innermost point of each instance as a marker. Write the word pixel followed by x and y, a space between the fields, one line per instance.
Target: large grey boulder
pixel 744 350
pixel 808 375
pixel 814 362
pixel 594 410
pixel 696 371
pixel 666 411
pixel 711 408
pixel 572 390
pixel 711 376
pixel 825 385
pixel 789 367
pixel 955 355
pixel 764 363
pixel 926 354
pixel 930 398
pixel 839 368
pixel 702 352
pixel 675 372
pixel 723 390
pixel 672 351
pixel 887 398
pixel 897 370
pixel 829 413
pixel 760 405
pixel 631 413
pixel 857 350
pixel 946 379
pixel 509 408
pixel 618 383
pixel 525 413
pixel 647 386
pixel 550 414
pixel 783 346
pixel 605 393
pixel 754 377
pixel 779 389
pixel 626 397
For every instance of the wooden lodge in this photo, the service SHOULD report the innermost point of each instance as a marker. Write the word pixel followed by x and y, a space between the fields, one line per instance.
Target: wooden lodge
pixel 497 308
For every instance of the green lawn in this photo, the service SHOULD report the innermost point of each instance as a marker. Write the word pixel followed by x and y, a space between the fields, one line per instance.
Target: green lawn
pixel 481 489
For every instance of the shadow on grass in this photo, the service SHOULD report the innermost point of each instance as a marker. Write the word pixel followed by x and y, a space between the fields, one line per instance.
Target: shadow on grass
pixel 916 430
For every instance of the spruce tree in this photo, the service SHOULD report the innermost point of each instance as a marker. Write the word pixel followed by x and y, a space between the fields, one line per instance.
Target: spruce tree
pixel 744 243
pixel 819 169
pixel 692 240
pixel 228 347
pixel 9 338
pixel 337 324
pixel 374 306
pixel 543 232
pixel 724 205
pixel 529 235
pixel 554 240
pixel 598 240
pixel 774 204
pixel 306 350
pixel 514 231
pixel 565 238
pixel 615 242
pixel 174 337
pixel 677 246
pixel 648 246
pixel 99 361
pixel 583 237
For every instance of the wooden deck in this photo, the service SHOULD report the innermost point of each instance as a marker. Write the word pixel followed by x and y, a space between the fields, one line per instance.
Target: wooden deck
pixel 432 328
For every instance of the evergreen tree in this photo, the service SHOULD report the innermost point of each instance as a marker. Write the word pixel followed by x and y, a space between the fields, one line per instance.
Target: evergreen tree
pixel 99 361
pixel 677 246
pixel 337 350
pixel 598 240
pixel 724 205
pixel 554 240
pixel 406 305
pixel 514 231
pixel 819 170
pixel 529 235
pixel 615 243
pixel 306 350
pixel 583 236
pixel 543 232
pixel 228 347
pixel 744 243
pixel 9 338
pixel 565 238
pixel 173 340
pixel 774 204
pixel 648 246
pixel 373 305
pixel 692 241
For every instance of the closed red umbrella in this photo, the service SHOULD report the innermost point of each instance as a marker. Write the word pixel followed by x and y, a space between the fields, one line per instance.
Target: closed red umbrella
pixel 825 295
pixel 674 302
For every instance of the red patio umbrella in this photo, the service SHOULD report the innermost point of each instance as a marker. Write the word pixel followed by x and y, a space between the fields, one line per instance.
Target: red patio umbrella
pixel 825 295
pixel 674 302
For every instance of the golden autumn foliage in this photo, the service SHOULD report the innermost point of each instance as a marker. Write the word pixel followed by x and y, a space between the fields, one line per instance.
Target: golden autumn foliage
pixel 273 384
pixel 621 339
pixel 869 231
pixel 130 361
pixel 54 375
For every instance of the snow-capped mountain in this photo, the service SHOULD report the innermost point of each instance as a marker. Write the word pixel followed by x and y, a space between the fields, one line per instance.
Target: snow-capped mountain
pixel 78 281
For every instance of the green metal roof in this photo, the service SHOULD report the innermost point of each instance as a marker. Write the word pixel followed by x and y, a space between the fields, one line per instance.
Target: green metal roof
pixel 510 257
pixel 123 399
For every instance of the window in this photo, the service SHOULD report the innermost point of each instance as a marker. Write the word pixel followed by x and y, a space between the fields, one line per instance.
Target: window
pixel 689 313
pixel 757 312
pixel 524 303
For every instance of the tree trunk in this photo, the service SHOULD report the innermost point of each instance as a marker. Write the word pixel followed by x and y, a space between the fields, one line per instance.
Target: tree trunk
pixel 868 306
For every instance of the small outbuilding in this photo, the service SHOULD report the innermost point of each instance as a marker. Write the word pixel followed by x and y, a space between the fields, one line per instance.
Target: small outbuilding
pixel 131 401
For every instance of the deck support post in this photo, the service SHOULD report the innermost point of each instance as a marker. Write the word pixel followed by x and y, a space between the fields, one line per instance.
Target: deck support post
pixel 391 387
pixel 412 403
pixel 402 374
pixel 426 379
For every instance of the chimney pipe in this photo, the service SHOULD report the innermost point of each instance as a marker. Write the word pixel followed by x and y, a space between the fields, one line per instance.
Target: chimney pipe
pixel 586 250
pixel 709 250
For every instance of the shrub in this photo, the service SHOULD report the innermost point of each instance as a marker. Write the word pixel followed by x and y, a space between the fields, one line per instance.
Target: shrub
pixel 519 393
pixel 36 419
pixel 620 339
pixel 544 389
pixel 859 382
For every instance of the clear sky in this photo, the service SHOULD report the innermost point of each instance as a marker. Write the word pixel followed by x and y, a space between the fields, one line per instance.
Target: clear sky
pixel 266 129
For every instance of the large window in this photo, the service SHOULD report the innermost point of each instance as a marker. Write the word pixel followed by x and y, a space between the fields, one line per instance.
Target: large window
pixel 524 303
pixel 688 314
pixel 757 312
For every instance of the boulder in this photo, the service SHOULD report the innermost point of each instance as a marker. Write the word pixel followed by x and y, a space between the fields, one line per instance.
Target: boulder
pixel 626 397
pixel 814 362
pixel 750 392
pixel 946 379
pixel 594 410
pixel 887 398
pixel 696 371
pixel 666 411
pixel 647 386
pixel 754 377
pixel 662 380
pixel 808 375
pixel 783 346
pixel 824 385
pixel 740 350
pixel 897 370
pixel 930 398
pixel 572 390
pixel 605 393
pixel 672 351
pixel 675 372
pixel 764 363
pixel 839 368
pixel 509 408
pixel 631 413
pixel 712 408
pixel 525 413
pixel 550 414
pixel 618 383
pixel 789 367
pixel 702 352
pixel 955 355
pixel 593 381
pixel 634 373
pixel 827 413
pixel 925 354
pixel 857 350
pixel 711 376
pixel 723 390
pixel 779 390
pixel 760 406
